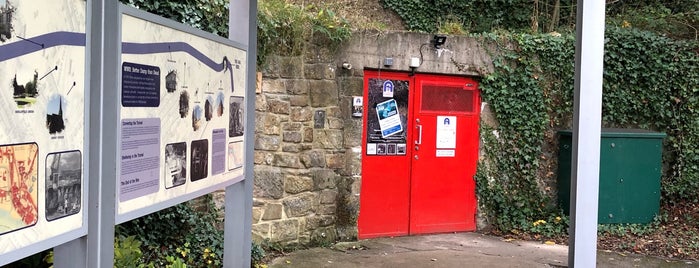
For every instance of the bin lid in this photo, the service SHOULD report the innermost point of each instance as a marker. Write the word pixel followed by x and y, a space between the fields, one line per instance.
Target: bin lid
pixel 622 133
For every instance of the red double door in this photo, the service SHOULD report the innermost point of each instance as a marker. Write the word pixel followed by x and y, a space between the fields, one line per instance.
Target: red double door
pixel 417 178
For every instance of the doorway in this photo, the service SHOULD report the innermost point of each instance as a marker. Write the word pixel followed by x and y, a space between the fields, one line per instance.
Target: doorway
pixel 420 152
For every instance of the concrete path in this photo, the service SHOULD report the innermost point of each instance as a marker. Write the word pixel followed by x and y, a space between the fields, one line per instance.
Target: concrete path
pixel 453 250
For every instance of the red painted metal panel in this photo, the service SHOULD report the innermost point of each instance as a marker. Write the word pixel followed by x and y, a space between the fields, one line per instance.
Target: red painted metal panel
pixel 443 195
pixel 419 192
pixel 385 190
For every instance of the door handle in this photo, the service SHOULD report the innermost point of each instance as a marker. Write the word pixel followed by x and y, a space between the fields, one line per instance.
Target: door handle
pixel 419 135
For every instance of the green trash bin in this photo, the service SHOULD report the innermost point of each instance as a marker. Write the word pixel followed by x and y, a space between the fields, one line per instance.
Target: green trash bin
pixel 629 180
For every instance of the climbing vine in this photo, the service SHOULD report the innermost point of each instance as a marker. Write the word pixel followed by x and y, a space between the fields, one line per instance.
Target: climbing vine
pixel 650 82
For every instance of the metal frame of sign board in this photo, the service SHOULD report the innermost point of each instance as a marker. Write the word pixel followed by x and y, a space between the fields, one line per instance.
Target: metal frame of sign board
pixel 130 11
pixel 66 237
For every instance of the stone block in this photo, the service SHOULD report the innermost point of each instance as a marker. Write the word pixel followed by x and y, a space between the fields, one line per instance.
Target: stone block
pixel 334 161
pixel 334 111
pixel 272 212
pixel 324 179
pixel 291 67
pixel 262 229
pixel 284 231
pixel 298 101
pixel 266 143
pixel 353 133
pixel 300 205
pixel 301 114
pixel 268 182
pixel 292 136
pixel 308 135
pixel 276 86
pixel 327 210
pixel 256 214
pixel 293 126
pixel 292 148
pixel 351 86
pixel 263 158
pixel 323 93
pixel 261 103
pixel 328 139
pixel 268 124
pixel 287 160
pixel 313 158
pixel 324 236
pixel 328 197
pixel 336 123
pixel 320 71
pixel 277 106
pixel 297 87
pixel 298 184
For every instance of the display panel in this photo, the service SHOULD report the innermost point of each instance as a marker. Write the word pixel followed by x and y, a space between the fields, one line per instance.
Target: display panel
pixel 182 111
pixel 42 119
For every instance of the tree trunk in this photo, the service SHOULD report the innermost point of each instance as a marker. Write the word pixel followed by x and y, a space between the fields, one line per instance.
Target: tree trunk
pixel 535 17
pixel 555 16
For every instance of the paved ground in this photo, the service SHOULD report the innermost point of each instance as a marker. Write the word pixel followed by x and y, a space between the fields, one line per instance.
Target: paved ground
pixel 454 250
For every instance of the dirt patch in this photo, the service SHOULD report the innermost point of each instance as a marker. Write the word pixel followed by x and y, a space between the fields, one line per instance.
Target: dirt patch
pixel 361 14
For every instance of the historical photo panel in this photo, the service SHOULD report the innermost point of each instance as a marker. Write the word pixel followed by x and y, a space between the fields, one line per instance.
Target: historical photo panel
pixel 63 184
pixel 175 164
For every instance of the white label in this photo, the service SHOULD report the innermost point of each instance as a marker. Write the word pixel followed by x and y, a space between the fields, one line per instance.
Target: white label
pixel 371 148
pixel 446 132
pixel 388 89
pixel 445 153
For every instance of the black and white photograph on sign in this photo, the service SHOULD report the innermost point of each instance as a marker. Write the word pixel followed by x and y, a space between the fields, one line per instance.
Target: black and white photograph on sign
pixel 63 184
pixel 54 114
pixel 381 149
pixel 171 81
pixel 219 104
pixel 200 160
pixel 6 13
pixel 196 117
pixel 175 164
pixel 400 149
pixel 184 104
pixel 391 149
pixel 209 108
pixel 399 103
pixel 236 125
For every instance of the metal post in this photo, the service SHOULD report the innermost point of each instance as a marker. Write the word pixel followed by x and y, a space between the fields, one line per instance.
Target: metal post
pixel 589 57
pixel 103 135
pixel 238 209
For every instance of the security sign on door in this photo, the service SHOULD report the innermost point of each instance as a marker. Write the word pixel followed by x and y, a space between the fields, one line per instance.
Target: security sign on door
pixel 446 136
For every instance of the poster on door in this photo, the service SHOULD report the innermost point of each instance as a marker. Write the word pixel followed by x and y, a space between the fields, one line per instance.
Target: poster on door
pixel 387 116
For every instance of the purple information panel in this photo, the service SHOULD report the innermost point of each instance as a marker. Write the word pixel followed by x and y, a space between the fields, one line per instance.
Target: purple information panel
pixel 140 157
pixel 140 85
pixel 218 151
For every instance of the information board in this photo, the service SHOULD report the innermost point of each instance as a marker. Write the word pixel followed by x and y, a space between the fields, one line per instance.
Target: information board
pixel 182 114
pixel 42 124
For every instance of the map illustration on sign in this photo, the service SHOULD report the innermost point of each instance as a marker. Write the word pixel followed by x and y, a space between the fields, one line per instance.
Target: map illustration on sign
pixel 18 186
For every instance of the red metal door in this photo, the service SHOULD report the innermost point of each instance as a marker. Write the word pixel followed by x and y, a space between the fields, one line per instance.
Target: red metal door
pixel 384 200
pixel 445 140
pixel 413 181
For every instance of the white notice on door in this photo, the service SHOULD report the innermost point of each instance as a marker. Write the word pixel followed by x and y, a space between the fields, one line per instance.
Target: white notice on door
pixel 446 132
pixel 445 153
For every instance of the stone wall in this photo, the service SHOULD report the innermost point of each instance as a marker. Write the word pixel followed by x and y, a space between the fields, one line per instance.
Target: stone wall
pixel 308 147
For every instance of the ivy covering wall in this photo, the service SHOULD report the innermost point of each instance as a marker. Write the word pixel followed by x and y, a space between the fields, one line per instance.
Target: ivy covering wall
pixel 650 82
